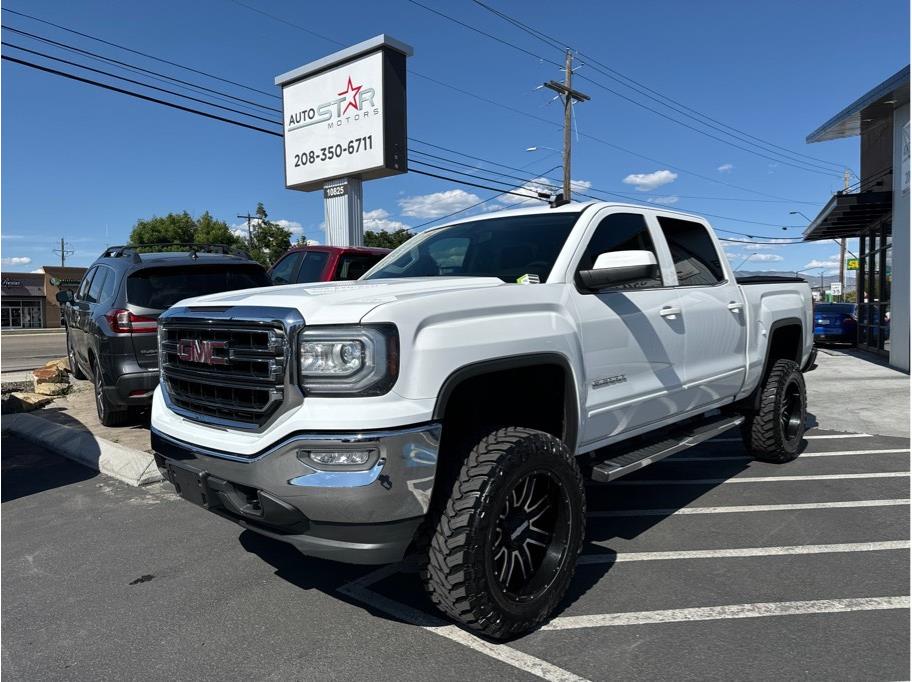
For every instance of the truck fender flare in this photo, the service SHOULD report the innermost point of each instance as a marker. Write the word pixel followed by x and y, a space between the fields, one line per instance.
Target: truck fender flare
pixel 475 369
pixel 754 399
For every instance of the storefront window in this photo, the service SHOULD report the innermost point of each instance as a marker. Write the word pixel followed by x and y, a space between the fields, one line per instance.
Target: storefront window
pixel 875 279
pixel 18 314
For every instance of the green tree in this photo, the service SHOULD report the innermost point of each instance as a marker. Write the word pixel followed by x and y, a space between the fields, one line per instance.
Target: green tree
pixel 209 230
pixel 270 240
pixel 386 240
pixel 174 227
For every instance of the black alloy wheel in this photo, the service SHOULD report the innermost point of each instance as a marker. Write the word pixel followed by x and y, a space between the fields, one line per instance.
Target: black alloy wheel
pixel 775 432
pixel 530 537
pixel 502 550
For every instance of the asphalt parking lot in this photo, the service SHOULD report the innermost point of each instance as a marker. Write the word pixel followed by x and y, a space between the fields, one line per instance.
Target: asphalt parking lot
pixel 704 566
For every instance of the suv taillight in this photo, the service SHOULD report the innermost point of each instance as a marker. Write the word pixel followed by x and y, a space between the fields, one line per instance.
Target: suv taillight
pixel 125 322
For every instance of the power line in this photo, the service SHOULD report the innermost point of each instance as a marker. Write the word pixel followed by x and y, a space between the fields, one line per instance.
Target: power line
pixel 529 115
pixel 140 83
pixel 134 68
pixel 614 92
pixel 640 87
pixel 143 54
pixel 147 98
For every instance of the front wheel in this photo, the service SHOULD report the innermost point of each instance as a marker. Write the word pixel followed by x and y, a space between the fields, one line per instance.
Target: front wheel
pixel 108 415
pixel 504 550
pixel 71 359
pixel 774 432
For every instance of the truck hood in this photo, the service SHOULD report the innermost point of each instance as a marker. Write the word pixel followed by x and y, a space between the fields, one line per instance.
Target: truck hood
pixel 340 302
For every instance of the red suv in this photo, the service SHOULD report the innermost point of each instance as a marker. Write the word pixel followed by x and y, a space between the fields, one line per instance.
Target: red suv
pixel 324 263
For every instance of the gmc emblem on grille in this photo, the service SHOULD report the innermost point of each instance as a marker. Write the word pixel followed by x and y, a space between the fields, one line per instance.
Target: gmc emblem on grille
pixel 199 350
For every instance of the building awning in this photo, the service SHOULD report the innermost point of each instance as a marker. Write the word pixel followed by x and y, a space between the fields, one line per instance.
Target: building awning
pixel 849 215
pixel 873 106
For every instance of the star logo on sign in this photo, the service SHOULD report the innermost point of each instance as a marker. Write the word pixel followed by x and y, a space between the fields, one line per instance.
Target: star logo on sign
pixel 353 102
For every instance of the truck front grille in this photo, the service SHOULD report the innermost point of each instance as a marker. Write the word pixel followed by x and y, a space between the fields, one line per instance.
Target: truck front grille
pixel 234 371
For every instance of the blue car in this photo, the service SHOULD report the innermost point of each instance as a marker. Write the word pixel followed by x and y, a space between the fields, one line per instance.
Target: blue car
pixel 835 323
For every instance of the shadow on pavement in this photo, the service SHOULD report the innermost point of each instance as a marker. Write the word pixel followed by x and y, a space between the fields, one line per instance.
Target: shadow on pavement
pixel 405 587
pixel 27 469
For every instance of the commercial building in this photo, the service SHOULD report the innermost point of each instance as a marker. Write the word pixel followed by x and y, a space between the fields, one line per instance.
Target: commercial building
pixel 876 212
pixel 29 299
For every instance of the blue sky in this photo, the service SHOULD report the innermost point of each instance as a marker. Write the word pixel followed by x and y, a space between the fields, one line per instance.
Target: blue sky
pixel 85 164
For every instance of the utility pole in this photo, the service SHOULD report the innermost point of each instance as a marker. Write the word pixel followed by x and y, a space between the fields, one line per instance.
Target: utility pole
pixel 64 252
pixel 249 229
pixel 842 244
pixel 568 95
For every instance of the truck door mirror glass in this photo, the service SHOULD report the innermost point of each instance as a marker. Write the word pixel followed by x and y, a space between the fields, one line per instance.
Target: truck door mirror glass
pixel 64 296
pixel 617 268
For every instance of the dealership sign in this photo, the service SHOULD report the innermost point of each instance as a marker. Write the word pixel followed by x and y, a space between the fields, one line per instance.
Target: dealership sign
pixel 344 116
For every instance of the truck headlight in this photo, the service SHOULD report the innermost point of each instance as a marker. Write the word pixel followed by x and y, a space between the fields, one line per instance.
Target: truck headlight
pixel 361 360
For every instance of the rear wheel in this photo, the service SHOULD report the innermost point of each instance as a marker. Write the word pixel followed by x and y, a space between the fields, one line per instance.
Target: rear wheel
pixel 108 415
pixel 504 550
pixel 775 431
pixel 71 359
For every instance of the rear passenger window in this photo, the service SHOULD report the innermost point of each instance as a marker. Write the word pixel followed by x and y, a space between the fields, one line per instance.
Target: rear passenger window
pixel 621 232
pixel 695 257
pixel 353 266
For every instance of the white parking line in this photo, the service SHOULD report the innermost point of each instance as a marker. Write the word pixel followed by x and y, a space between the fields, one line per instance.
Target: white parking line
pixel 358 589
pixel 758 610
pixel 730 553
pixel 747 508
pixel 816 437
pixel 839 435
pixel 760 479
pixel 804 455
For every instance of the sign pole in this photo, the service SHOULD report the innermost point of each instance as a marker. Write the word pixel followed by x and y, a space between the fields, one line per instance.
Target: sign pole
pixel 343 212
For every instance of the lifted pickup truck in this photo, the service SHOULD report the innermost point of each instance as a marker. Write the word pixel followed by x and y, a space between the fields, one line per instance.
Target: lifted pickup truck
pixel 452 402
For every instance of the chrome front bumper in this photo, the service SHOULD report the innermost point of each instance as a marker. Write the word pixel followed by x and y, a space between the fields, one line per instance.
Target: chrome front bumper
pixel 366 515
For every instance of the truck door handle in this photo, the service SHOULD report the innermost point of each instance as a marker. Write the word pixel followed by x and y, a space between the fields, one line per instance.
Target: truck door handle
pixel 670 311
pixel 735 307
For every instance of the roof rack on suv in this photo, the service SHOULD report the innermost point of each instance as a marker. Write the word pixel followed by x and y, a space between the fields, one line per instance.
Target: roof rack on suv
pixel 133 250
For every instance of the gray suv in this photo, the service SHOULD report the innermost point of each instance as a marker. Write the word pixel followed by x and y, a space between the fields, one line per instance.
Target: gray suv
pixel 112 319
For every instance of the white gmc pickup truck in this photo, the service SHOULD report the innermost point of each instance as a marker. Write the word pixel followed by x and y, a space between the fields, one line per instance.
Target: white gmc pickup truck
pixel 452 402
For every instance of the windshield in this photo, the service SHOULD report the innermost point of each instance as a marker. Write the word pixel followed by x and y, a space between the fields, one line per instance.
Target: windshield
pixel 507 248
pixel 161 288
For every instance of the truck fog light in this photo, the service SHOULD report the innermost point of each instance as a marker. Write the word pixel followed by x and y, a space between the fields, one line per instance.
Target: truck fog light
pixel 336 457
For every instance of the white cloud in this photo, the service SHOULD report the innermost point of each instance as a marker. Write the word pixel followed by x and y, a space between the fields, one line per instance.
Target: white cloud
pixel 37 271
pixel 378 221
pixel 765 258
pixel 665 201
pixel 437 204
pixel 292 226
pixel 16 260
pixel 831 263
pixel 645 182
pixel 726 168
pixel 529 192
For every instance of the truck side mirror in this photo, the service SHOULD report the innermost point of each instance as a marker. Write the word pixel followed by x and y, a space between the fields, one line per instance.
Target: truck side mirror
pixel 619 267
pixel 64 296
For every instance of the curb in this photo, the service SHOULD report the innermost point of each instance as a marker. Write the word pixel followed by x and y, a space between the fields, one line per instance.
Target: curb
pixel 131 466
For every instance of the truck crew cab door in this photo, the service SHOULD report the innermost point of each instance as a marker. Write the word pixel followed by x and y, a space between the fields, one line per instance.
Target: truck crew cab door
pixel 713 313
pixel 632 335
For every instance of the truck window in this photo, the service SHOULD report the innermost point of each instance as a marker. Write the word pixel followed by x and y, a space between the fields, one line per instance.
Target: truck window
pixel 284 271
pixel 161 288
pixel 620 232
pixel 353 265
pixel 312 266
pixel 693 252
